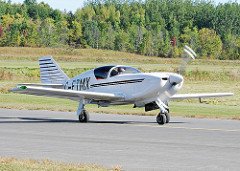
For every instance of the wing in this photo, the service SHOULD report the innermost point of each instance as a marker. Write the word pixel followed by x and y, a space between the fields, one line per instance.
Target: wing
pixel 200 95
pixel 68 94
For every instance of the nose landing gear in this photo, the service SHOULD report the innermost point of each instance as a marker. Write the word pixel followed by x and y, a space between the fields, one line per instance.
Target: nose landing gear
pixel 163 118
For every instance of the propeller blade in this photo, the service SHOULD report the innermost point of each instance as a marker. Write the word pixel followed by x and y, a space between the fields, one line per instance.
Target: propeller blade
pixel 190 51
pixel 175 80
pixel 188 55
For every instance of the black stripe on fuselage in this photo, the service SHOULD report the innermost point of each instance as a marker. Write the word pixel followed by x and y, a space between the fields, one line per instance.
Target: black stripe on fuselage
pixel 117 83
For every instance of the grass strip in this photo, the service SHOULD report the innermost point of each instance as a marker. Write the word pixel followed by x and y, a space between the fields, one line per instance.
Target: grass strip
pixel 13 164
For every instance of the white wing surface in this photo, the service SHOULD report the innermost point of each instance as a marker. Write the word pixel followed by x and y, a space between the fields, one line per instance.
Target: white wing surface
pixel 200 95
pixel 68 94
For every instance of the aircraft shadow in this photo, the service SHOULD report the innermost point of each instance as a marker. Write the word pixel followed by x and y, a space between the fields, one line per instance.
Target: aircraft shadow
pixel 34 120
pixel 132 122
pixel 14 120
pixel 121 122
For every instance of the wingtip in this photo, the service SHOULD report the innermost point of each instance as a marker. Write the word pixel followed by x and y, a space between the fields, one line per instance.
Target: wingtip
pixel 18 88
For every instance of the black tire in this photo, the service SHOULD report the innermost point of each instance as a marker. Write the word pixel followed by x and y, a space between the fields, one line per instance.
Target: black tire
pixel 167 117
pixel 83 117
pixel 161 119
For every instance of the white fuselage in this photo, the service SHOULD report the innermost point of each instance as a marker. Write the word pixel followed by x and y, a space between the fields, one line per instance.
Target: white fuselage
pixel 138 88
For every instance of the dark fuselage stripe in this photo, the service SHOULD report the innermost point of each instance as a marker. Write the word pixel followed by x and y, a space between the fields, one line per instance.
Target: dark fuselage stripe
pixel 116 83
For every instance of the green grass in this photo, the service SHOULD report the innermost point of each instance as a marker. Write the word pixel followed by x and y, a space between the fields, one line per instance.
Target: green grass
pixel 205 110
pixel 18 70
pixel 21 65
pixel 12 164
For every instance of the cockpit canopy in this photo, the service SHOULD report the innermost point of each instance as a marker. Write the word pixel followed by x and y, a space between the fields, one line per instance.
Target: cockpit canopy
pixel 112 70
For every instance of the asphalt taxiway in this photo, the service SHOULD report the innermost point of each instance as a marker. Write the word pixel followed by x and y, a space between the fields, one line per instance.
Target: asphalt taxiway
pixel 132 142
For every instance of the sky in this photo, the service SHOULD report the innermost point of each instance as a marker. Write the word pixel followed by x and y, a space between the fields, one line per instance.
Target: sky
pixel 69 5
pixel 73 5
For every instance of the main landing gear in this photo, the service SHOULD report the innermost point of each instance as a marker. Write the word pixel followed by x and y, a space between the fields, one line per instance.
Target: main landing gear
pixel 83 115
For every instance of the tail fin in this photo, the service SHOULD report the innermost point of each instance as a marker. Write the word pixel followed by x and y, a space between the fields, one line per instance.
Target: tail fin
pixel 50 72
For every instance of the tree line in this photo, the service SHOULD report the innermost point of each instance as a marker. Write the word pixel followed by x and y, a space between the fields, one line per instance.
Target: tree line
pixel 149 27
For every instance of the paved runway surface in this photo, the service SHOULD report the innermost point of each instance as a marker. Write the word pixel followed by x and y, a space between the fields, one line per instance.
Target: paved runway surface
pixel 132 142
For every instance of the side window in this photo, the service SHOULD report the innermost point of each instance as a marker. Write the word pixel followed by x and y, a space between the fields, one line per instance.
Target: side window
pixel 123 70
pixel 102 72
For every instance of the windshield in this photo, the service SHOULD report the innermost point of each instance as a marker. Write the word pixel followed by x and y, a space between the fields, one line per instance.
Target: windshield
pixel 102 72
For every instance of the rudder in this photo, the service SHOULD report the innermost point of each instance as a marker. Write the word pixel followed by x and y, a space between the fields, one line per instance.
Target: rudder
pixel 50 71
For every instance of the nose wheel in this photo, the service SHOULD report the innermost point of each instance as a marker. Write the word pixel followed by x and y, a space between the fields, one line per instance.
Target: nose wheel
pixel 163 118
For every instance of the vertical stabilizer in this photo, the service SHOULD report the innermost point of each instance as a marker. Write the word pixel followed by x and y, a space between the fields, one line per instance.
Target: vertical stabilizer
pixel 50 72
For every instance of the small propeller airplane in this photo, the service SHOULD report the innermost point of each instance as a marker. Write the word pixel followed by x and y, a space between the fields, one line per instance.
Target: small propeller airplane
pixel 113 85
